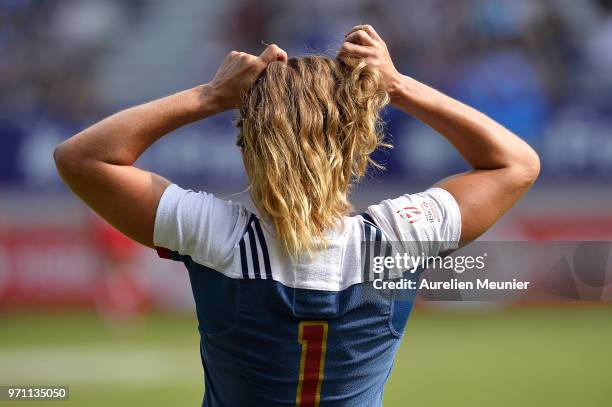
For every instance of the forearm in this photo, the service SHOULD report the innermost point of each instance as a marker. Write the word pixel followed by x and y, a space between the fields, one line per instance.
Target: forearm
pixel 484 143
pixel 504 166
pixel 97 163
pixel 121 138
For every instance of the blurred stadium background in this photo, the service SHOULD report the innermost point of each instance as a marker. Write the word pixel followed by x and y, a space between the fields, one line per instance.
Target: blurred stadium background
pixel 81 306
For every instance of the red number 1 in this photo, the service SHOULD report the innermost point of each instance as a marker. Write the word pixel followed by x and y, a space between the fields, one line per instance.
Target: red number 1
pixel 313 338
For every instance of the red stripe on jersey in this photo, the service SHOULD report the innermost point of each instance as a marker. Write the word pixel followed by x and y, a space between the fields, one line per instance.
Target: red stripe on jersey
pixel 313 338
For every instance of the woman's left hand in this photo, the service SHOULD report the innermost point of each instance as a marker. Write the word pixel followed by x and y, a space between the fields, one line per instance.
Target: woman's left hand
pixel 365 43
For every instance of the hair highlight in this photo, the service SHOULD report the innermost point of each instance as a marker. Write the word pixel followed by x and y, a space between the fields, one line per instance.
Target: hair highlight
pixel 308 128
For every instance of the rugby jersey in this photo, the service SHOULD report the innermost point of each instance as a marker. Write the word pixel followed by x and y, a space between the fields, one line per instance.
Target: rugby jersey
pixel 307 331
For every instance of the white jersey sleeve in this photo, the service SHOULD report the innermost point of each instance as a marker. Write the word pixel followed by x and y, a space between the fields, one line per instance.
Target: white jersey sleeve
pixel 199 225
pixel 429 222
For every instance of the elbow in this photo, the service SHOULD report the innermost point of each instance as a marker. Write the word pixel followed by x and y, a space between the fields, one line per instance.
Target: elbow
pixel 66 158
pixel 532 165
pixel 61 157
pixel 527 169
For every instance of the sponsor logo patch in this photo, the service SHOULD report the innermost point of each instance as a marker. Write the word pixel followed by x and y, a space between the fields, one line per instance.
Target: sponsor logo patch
pixel 411 214
pixel 431 213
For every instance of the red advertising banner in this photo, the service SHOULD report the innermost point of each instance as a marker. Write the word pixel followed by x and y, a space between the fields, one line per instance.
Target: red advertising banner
pixel 46 265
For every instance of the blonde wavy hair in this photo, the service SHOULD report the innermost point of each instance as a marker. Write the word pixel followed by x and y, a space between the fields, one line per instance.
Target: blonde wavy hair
pixel 308 128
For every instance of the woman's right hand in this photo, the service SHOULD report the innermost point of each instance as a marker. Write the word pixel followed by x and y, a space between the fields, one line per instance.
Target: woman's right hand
pixel 238 72
pixel 362 41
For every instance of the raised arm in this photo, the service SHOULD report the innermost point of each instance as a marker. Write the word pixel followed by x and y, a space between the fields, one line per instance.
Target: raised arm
pixel 97 163
pixel 504 166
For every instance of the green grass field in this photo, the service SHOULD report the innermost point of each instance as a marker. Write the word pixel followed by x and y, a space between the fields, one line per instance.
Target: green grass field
pixel 521 357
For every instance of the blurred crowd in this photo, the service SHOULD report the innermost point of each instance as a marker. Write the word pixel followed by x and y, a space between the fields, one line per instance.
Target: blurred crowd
pixel 541 67
pixel 51 51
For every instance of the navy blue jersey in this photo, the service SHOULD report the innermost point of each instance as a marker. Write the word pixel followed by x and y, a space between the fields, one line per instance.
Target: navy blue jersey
pixel 310 331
